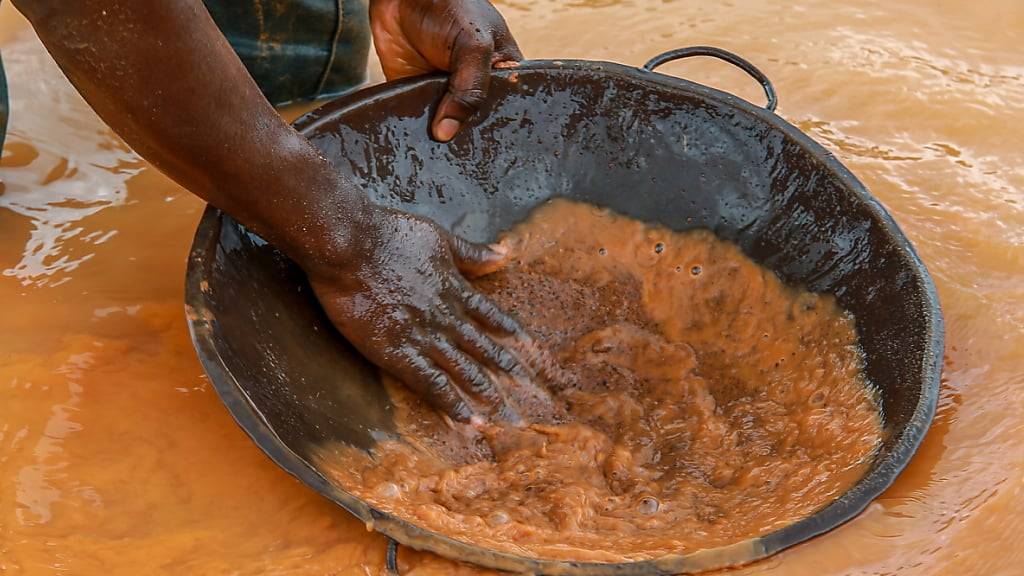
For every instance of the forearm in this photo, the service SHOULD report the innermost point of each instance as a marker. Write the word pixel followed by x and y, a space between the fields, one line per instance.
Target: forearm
pixel 166 80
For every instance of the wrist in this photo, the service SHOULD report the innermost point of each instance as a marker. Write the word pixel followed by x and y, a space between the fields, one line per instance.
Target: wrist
pixel 304 206
pixel 326 231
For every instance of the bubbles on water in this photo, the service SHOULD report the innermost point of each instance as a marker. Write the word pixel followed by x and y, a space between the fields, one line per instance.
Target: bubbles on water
pixel 696 270
pixel 648 505
pixel 817 399
pixel 602 251
pixel 498 518
pixel 388 490
pixel 659 247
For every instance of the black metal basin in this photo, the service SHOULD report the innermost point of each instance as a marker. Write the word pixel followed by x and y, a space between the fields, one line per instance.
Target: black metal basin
pixel 650 146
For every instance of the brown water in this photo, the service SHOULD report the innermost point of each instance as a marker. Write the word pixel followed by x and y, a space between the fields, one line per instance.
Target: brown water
pixel 117 458
pixel 698 403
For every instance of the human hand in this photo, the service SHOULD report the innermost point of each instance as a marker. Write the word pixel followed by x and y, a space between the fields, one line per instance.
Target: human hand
pixel 401 299
pixel 464 37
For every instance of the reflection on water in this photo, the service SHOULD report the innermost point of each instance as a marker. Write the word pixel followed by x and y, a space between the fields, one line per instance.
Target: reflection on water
pixel 33 490
pixel 117 458
pixel 936 73
pixel 61 167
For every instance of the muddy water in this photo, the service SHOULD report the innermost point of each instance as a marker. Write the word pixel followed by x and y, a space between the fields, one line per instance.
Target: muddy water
pixel 117 458
pixel 698 403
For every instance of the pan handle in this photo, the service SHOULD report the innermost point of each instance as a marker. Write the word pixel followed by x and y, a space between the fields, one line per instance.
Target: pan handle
pixel 742 64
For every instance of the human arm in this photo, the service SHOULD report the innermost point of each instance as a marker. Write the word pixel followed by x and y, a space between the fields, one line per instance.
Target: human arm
pixel 163 77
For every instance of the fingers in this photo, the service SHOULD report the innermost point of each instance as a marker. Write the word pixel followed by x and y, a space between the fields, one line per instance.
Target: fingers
pixel 430 382
pixel 465 372
pixel 506 50
pixel 474 259
pixel 483 349
pixel 471 63
pixel 467 87
pixel 487 313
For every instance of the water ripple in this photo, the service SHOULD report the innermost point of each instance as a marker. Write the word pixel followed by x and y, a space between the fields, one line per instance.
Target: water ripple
pixel 60 167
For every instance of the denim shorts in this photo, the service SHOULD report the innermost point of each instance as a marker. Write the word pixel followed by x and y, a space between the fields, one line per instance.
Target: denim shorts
pixel 294 49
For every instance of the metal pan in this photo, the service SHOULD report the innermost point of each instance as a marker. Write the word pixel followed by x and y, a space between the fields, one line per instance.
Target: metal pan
pixel 653 147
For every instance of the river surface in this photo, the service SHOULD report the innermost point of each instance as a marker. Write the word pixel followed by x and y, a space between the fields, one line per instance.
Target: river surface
pixel 117 458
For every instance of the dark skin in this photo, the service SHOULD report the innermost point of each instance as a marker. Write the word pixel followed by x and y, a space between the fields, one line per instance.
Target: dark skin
pixel 165 79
